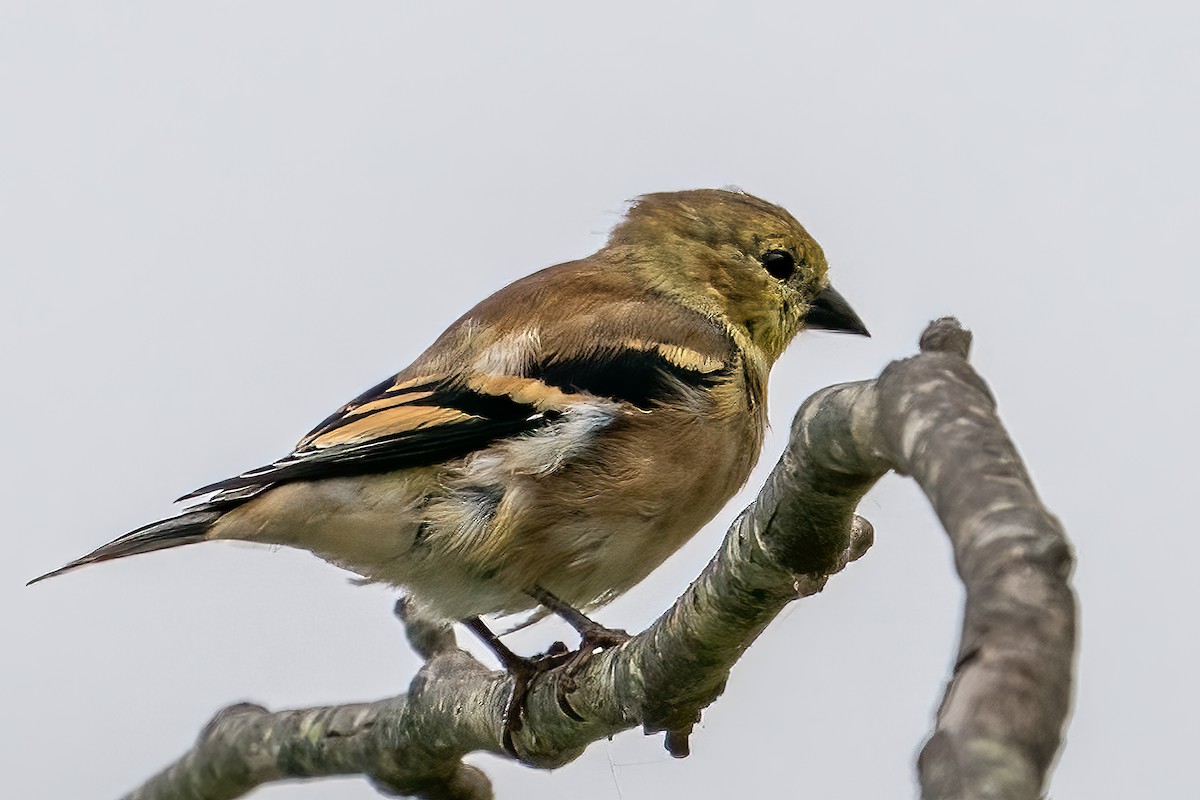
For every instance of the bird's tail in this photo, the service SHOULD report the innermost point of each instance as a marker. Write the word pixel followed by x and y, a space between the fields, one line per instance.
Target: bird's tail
pixel 187 528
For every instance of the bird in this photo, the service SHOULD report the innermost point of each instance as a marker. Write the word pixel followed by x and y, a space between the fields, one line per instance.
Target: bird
pixel 562 438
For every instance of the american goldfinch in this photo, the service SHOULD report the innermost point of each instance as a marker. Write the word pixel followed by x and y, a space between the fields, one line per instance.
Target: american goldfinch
pixel 564 436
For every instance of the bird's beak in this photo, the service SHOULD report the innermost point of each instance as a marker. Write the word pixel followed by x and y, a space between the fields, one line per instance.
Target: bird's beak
pixel 829 311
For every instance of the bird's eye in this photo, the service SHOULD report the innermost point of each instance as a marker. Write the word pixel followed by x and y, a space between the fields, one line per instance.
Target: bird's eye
pixel 779 263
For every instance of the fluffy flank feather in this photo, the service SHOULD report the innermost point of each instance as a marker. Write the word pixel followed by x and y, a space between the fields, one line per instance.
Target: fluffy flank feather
pixel 187 528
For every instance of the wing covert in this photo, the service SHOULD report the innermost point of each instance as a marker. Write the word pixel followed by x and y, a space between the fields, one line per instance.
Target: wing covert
pixel 407 422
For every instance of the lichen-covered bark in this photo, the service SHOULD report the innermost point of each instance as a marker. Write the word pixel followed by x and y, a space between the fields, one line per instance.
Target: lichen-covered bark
pixel 930 417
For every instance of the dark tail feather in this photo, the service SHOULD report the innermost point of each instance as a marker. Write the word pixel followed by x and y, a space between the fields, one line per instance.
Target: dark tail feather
pixel 187 528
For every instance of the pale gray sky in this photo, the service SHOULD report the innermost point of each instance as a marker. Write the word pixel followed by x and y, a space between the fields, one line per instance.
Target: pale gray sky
pixel 223 219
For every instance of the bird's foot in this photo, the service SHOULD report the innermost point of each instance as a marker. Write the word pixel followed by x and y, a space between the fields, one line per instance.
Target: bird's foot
pixel 597 637
pixel 523 672
pixel 592 634
pixel 594 638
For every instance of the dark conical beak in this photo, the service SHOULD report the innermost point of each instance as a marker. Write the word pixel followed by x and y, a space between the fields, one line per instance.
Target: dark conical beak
pixel 830 312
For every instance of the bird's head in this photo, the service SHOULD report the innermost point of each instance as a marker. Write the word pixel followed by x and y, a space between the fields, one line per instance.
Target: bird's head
pixel 736 258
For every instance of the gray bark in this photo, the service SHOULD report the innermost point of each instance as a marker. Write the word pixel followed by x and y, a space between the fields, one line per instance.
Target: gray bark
pixel 930 417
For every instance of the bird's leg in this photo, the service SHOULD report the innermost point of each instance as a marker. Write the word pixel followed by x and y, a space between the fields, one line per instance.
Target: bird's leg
pixel 592 635
pixel 523 671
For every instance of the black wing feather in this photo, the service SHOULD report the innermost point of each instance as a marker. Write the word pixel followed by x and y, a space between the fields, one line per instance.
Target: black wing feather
pixel 641 377
pixel 492 417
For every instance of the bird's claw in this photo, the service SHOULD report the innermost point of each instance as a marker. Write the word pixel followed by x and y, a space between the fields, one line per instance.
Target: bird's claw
pixel 595 637
pixel 524 671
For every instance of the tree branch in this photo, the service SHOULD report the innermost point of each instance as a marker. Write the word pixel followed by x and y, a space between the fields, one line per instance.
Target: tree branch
pixel 931 417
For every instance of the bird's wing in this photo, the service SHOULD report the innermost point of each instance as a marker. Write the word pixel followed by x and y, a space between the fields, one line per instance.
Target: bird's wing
pixel 407 422
pixel 418 421
pixel 436 410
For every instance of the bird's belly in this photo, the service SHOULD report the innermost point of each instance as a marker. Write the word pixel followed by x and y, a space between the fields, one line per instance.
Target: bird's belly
pixel 606 554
